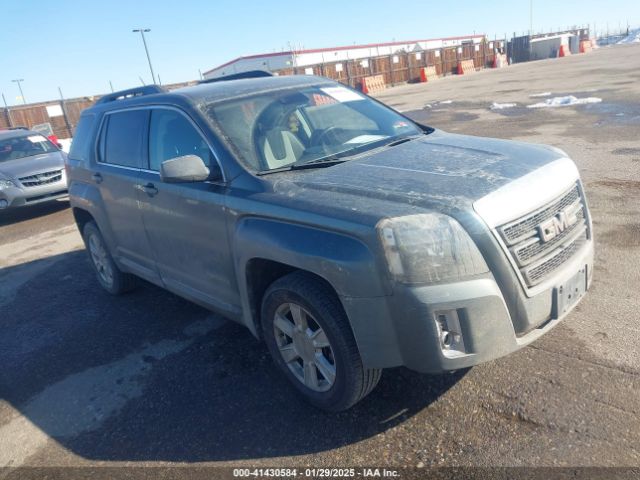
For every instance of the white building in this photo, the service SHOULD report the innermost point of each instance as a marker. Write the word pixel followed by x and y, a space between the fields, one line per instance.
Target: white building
pixel 548 46
pixel 303 58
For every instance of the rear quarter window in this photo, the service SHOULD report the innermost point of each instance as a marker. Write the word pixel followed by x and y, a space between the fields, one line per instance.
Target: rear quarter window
pixel 81 143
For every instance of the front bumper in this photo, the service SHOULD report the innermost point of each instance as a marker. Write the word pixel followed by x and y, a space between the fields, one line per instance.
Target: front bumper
pixel 402 329
pixel 23 196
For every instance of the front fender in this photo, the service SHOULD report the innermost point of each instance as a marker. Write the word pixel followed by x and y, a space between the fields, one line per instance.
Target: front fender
pixel 343 261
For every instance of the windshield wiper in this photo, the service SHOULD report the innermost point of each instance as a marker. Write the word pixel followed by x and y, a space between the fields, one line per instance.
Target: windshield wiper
pixel 318 163
pixel 400 141
pixel 335 158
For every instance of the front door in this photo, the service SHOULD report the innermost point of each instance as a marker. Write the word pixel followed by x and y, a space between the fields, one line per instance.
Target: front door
pixel 185 222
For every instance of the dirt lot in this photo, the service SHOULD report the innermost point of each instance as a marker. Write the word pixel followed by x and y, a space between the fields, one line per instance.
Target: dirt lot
pixel 150 379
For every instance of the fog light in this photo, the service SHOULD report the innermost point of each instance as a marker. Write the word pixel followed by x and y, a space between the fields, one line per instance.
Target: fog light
pixel 450 333
pixel 3 203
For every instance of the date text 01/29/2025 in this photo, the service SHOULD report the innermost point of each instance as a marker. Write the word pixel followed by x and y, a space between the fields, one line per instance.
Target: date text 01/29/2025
pixel 315 472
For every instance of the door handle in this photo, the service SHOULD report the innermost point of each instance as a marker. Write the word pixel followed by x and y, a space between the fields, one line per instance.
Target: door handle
pixel 97 178
pixel 150 189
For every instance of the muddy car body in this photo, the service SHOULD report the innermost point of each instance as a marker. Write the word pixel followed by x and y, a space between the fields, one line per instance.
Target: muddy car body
pixel 347 250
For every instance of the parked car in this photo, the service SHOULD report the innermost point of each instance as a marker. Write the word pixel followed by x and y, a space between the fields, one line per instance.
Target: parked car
pixel 31 169
pixel 346 236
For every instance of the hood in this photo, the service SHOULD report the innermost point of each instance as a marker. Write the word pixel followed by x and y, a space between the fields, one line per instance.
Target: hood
pixel 23 167
pixel 439 171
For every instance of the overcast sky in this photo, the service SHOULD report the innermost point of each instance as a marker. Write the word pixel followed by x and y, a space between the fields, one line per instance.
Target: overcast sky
pixel 82 45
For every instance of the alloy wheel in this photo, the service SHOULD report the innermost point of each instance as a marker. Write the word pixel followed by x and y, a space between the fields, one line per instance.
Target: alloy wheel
pixel 100 259
pixel 304 347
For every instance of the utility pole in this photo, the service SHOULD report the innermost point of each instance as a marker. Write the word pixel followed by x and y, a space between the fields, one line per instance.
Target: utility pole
pixel 111 85
pixel 19 81
pixel 146 49
pixel 64 113
pixel 7 111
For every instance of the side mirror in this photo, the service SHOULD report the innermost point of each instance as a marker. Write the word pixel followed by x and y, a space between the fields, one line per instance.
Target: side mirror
pixel 185 169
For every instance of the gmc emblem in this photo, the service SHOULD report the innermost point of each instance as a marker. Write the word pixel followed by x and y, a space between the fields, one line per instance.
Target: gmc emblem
pixel 549 229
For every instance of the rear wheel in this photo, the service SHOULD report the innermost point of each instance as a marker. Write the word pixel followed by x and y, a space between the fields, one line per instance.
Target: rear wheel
pixel 309 337
pixel 108 274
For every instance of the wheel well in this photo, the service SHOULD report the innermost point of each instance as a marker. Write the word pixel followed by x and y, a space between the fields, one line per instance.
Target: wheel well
pixel 82 218
pixel 260 274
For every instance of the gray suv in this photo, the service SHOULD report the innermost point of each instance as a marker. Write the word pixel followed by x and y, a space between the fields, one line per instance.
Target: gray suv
pixel 346 236
pixel 31 169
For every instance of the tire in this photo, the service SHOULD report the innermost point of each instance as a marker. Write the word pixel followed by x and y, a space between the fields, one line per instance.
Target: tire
pixel 108 274
pixel 298 300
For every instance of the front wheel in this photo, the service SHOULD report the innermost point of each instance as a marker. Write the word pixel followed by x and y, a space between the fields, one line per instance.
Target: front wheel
pixel 309 337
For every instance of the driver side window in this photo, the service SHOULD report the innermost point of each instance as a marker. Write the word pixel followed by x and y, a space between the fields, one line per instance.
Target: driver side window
pixel 172 135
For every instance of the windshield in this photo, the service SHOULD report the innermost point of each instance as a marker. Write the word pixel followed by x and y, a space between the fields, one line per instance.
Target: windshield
pixel 282 128
pixel 23 146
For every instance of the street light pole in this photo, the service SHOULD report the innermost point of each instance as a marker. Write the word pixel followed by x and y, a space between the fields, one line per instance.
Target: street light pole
pixel 146 49
pixel 18 81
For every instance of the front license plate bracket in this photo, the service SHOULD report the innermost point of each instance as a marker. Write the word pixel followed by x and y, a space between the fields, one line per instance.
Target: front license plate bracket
pixel 568 293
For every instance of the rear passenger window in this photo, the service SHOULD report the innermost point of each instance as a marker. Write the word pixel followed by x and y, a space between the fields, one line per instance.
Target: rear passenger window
pixel 122 142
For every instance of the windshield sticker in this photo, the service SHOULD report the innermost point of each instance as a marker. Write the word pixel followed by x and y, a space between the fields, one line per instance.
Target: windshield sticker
pixel 322 99
pixel 35 139
pixel 342 94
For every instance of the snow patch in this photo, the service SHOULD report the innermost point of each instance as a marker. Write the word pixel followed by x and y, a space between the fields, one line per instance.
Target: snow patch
pixel 633 37
pixel 565 101
pixel 543 94
pixel 445 102
pixel 502 106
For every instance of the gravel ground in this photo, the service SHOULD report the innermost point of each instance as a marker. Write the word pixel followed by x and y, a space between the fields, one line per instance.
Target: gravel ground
pixel 146 379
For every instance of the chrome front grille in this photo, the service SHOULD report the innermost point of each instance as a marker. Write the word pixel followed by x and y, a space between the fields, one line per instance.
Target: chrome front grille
pixel 540 242
pixel 521 228
pixel 43 178
pixel 531 249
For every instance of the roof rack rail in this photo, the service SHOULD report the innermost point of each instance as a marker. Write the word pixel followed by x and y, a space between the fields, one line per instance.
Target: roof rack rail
pixel 239 76
pixel 131 93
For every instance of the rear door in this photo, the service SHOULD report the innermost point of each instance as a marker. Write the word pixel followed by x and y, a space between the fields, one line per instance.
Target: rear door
pixel 185 222
pixel 121 155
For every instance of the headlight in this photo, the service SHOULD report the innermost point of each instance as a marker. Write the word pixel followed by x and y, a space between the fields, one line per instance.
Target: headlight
pixel 429 248
pixel 6 184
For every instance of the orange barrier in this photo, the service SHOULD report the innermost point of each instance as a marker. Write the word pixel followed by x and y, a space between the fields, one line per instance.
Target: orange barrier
pixel 374 84
pixel 428 73
pixel 564 51
pixel 466 66
pixel 585 46
pixel 500 60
